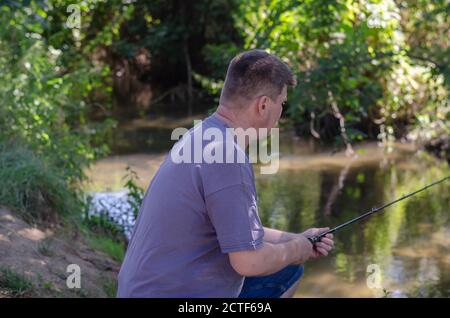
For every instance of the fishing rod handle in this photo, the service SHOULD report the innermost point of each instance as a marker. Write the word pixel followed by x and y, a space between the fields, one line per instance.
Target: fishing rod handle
pixel 315 239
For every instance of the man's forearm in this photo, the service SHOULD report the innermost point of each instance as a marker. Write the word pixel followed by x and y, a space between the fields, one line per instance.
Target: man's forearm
pixel 276 236
pixel 271 258
pixel 274 257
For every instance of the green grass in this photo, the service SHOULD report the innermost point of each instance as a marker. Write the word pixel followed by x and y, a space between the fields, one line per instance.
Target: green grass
pixel 33 186
pixel 108 245
pixel 104 235
pixel 110 288
pixel 15 283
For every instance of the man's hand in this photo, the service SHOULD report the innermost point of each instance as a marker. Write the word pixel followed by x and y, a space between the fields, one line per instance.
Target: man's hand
pixel 322 247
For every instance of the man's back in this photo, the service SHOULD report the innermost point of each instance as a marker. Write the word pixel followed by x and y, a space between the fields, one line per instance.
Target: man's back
pixel 192 215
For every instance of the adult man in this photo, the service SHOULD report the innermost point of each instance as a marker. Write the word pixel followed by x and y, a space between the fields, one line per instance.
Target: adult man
pixel 198 233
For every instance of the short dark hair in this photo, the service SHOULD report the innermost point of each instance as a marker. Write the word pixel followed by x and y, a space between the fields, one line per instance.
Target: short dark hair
pixel 256 72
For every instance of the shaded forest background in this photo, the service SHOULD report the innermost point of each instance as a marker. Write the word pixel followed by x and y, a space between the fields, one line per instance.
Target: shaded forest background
pixel 70 73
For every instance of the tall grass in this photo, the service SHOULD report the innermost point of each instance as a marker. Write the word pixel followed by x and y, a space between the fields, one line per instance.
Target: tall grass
pixel 15 283
pixel 33 186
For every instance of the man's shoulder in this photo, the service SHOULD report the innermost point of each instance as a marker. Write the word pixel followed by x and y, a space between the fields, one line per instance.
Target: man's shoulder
pixel 209 142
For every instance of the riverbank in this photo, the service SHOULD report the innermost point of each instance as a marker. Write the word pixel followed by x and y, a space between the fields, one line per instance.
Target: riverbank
pixel 108 173
pixel 34 260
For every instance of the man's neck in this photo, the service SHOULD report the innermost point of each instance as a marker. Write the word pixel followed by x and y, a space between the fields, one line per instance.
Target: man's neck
pixel 232 119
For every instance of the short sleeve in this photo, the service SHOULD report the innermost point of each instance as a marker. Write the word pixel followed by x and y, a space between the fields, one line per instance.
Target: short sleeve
pixel 233 212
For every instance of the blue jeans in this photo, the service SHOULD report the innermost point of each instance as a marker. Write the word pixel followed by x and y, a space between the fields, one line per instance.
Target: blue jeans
pixel 271 286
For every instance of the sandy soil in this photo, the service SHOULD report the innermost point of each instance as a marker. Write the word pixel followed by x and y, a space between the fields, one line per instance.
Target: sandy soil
pixel 43 255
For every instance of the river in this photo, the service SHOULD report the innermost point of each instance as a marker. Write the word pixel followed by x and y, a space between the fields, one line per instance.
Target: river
pixel 401 252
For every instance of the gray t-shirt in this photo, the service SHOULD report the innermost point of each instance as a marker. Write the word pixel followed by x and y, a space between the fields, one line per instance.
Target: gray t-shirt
pixel 192 215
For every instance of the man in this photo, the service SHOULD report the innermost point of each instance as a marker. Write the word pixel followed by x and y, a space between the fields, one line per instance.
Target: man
pixel 198 233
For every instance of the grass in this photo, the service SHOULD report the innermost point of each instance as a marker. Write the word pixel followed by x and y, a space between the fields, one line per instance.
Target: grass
pixel 44 247
pixel 108 245
pixel 386 293
pixel 104 235
pixel 15 283
pixel 39 192
pixel 33 186
pixel 111 243
pixel 110 288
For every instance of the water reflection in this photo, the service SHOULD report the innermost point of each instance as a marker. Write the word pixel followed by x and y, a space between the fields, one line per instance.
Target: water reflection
pixel 296 199
pixel 147 136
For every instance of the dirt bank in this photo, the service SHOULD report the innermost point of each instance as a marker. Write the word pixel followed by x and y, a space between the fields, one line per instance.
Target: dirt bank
pixel 34 262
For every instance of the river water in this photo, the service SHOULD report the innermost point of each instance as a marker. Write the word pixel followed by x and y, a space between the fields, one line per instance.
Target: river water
pixel 401 252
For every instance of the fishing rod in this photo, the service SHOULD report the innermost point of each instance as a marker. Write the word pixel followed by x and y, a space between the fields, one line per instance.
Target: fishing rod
pixel 317 238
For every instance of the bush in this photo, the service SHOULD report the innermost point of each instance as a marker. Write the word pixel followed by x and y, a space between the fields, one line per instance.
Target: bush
pixel 47 138
pixel 376 69
pixel 45 101
pixel 33 186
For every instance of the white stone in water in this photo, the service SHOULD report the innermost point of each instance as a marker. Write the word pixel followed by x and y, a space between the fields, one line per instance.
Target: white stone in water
pixel 113 205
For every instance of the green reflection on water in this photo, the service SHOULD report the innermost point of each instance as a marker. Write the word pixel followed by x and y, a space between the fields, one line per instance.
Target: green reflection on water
pixel 400 239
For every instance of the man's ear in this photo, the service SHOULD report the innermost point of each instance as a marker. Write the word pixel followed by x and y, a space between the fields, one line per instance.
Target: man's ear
pixel 262 104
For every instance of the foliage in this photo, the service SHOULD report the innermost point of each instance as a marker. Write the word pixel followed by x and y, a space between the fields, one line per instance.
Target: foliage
pixel 108 245
pixel 110 288
pixel 15 283
pixel 34 187
pixel 135 193
pixel 354 55
pixel 45 101
pixel 47 138
pixel 368 68
pixel 105 226
pixel 104 234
